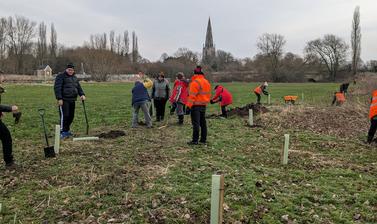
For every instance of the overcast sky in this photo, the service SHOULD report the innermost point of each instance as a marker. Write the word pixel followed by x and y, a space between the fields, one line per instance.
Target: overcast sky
pixel 165 25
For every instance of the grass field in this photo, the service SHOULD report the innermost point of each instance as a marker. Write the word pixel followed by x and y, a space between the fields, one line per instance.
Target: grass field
pixel 152 176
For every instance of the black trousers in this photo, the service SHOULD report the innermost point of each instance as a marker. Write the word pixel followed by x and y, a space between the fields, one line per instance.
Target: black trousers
pixel 160 104
pixel 67 113
pixel 6 140
pixel 199 124
pixel 258 97
pixel 223 111
pixel 372 129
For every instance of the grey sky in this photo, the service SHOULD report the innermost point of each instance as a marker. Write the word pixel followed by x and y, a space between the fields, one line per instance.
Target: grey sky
pixel 165 25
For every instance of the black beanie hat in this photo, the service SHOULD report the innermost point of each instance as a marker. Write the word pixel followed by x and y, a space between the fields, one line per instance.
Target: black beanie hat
pixel 70 65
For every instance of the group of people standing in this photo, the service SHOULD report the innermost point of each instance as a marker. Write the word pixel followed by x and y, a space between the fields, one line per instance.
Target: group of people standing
pixel 188 97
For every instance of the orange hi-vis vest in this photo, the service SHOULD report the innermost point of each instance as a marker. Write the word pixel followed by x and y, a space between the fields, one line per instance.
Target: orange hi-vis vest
pixel 340 97
pixel 258 90
pixel 373 105
pixel 199 91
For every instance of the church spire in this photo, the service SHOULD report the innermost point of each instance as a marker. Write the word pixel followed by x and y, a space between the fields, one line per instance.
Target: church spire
pixel 209 38
pixel 209 51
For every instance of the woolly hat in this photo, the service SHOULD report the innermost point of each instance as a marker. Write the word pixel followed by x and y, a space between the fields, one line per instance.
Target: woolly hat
pixel 198 70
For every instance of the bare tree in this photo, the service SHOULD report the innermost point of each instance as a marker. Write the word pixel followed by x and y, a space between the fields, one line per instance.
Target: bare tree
pixel 163 57
pixel 135 48
pixel 3 27
pixel 187 54
pixel 112 40
pixel 118 45
pixel 331 51
pixel 98 41
pixel 271 47
pixel 20 32
pixel 42 43
pixel 126 43
pixel 356 40
pixel 53 42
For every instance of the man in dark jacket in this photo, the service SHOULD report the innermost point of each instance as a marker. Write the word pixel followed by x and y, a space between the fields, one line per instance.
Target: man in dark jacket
pixel 141 100
pixel 67 88
pixel 6 138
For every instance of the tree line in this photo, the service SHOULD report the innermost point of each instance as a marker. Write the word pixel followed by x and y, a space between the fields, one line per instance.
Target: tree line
pixel 26 45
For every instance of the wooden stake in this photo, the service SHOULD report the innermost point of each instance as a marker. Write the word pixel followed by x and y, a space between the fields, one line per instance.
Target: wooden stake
pixel 251 119
pixel 217 199
pixel 285 151
pixel 57 139
pixel 269 99
pixel 302 97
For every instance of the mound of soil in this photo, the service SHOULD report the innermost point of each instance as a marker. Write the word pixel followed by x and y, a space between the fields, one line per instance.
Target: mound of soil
pixel 244 111
pixel 344 122
pixel 112 134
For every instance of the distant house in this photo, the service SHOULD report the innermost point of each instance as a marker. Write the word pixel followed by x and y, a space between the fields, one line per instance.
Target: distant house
pixel 44 72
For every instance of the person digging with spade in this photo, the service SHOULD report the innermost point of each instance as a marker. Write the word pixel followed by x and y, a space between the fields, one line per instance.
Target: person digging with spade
pixel 67 88
pixel 224 97
pixel 5 136
pixel 259 90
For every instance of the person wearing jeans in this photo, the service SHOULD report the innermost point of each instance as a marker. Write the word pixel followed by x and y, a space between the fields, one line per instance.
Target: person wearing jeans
pixel 178 98
pixel 140 100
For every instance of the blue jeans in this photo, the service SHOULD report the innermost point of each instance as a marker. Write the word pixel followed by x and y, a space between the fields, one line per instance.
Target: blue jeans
pixel 144 106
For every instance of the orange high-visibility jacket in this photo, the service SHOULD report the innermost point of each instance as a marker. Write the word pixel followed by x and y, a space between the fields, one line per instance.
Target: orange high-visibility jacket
pixel 373 105
pixel 340 97
pixel 258 90
pixel 199 91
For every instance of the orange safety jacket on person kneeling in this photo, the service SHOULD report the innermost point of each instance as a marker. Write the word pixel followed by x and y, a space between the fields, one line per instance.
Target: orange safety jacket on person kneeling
pixel 199 91
pixel 373 105
pixel 258 90
pixel 340 97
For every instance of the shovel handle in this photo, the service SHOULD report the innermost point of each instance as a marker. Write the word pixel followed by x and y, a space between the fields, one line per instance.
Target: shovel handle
pixel 41 112
pixel 86 117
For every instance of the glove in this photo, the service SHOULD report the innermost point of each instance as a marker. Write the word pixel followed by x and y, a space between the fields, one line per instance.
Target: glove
pixel 188 111
pixel 17 117
pixel 211 101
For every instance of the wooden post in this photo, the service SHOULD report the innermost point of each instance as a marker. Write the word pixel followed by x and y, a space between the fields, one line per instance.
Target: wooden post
pixel 57 139
pixel 269 99
pixel 217 199
pixel 251 119
pixel 285 150
pixel 302 97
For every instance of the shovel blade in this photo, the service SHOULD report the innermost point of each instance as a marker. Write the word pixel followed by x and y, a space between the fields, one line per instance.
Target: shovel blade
pixel 49 152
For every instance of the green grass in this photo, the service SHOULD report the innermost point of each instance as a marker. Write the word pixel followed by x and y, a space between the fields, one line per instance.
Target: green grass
pixel 152 176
